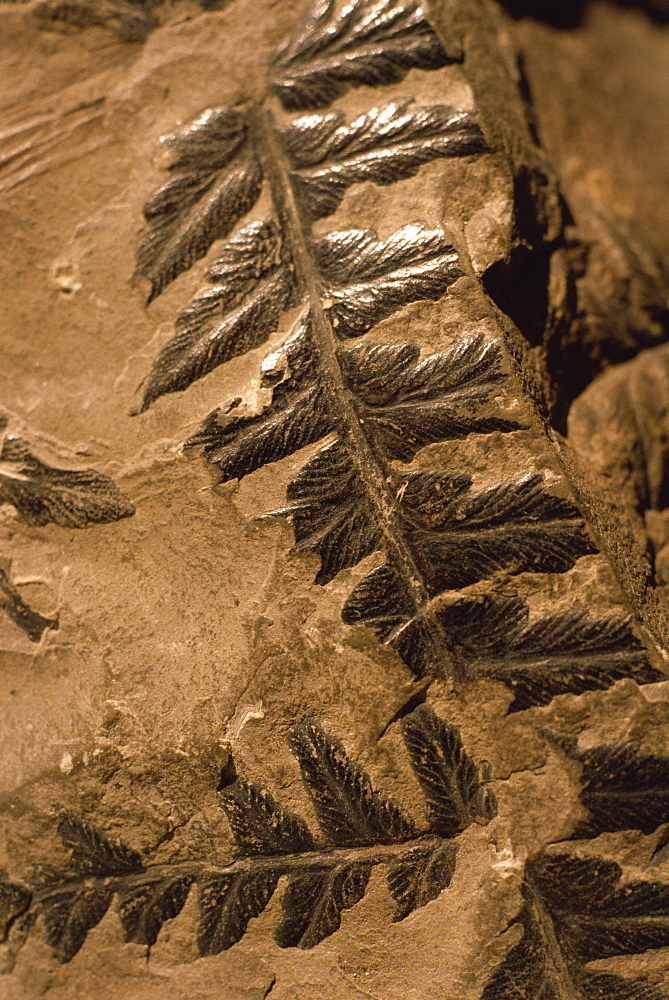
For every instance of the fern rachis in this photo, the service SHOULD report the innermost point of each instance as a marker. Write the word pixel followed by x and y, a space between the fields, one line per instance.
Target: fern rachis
pixel 376 477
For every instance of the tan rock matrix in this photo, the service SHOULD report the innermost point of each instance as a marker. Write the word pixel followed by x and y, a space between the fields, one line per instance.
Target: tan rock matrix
pixel 330 669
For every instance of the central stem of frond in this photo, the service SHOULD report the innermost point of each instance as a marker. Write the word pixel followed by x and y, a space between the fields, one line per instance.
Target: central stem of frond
pixel 376 475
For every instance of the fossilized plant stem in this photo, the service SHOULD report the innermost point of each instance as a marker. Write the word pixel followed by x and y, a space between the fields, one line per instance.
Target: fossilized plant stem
pixel 375 474
pixel 479 26
pixel 560 975
pixel 287 864
pixel 645 608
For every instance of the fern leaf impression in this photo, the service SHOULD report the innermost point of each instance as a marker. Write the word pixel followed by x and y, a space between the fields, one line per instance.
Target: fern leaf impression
pixel 356 264
pixel 325 874
pixel 372 407
pixel 622 788
pixel 31 622
pixel 43 494
pixel 38 494
pixel 365 43
pixel 577 911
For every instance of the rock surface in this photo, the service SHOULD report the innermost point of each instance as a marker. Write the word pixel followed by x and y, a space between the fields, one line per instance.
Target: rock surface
pixel 187 639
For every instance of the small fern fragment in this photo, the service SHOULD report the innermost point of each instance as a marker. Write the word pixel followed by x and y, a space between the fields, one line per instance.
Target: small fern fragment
pixel 95 853
pixel 216 179
pixel 227 903
pixel 447 774
pixel 70 910
pixel 144 904
pixel 575 912
pixel 259 825
pixel 621 787
pixel 15 900
pixel 555 654
pixel 313 903
pixel 348 809
pixel 420 875
pixel 43 494
pixel 28 620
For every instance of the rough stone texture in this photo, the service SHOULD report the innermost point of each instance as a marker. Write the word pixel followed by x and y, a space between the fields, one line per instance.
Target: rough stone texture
pixel 599 98
pixel 191 635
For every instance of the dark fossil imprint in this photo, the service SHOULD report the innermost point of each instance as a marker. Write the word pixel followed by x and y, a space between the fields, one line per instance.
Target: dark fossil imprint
pixel 378 405
pixel 569 652
pixel 576 910
pixel 361 829
pixel 42 494
pixel 28 620
pixel 621 787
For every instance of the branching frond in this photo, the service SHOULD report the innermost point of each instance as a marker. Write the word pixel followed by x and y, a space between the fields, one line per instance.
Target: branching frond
pixel 380 405
pixel 362 828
